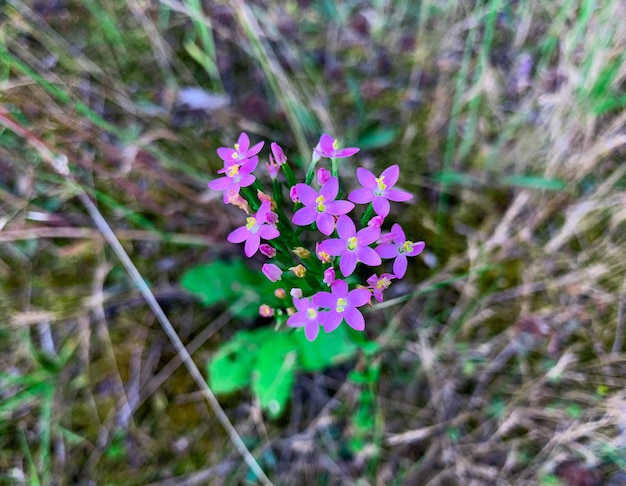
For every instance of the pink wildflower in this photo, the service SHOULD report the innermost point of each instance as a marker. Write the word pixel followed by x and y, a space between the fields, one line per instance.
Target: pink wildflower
pixel 378 190
pixel 279 155
pixel 307 316
pixel 400 249
pixel 351 246
pixel 241 151
pixel 342 305
pixel 320 207
pixel 238 174
pixel 379 284
pixel 329 147
pixel 256 227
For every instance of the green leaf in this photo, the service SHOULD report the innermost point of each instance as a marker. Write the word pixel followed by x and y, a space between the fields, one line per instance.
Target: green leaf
pixel 274 373
pixel 226 281
pixel 231 367
pixel 327 350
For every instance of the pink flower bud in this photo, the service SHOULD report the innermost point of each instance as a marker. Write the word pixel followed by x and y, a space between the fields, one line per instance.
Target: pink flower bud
pixel 296 293
pixel 329 276
pixel 376 222
pixel 293 194
pixel 271 218
pixel 278 153
pixel 266 311
pixel 272 272
pixel 280 293
pixel 323 175
pixel 267 250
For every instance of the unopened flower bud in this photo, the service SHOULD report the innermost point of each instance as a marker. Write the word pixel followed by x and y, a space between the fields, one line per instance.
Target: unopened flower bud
pixel 296 293
pixel 323 175
pixel 232 197
pixel 280 293
pixel 302 252
pixel 267 250
pixel 376 222
pixel 271 218
pixel 293 194
pixel 299 271
pixel 265 198
pixel 278 153
pixel 272 272
pixel 329 276
pixel 291 311
pixel 266 311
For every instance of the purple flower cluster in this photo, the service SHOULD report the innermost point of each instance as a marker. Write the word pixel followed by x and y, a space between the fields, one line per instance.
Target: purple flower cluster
pixel 317 292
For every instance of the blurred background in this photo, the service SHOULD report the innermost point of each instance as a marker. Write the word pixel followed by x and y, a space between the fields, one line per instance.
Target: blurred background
pixel 500 360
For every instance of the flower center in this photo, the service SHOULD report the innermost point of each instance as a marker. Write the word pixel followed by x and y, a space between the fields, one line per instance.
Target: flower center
pixel 341 304
pixel 233 170
pixel 383 283
pixel 380 182
pixel 352 243
pixel 251 224
pixel 407 247
pixel 311 313
pixel 320 204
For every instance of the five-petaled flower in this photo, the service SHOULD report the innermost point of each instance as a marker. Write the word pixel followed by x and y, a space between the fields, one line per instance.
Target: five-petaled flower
pixel 241 151
pixel 238 175
pixel 320 207
pixel 329 147
pixel 399 249
pixel 308 316
pixel 378 190
pixel 352 246
pixel 256 227
pixel 342 305
pixel 379 284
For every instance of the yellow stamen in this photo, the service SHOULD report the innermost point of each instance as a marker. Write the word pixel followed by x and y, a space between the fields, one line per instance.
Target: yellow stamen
pixel 352 243
pixel 407 247
pixel 335 144
pixel 302 252
pixel 383 283
pixel 233 170
pixel 325 257
pixel 380 181
pixel 311 313
pixel 237 147
pixel 320 204
pixel 250 223
pixel 341 304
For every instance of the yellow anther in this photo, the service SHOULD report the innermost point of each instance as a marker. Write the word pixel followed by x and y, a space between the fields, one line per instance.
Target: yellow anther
pixel 302 252
pixel 383 283
pixel 233 170
pixel 320 204
pixel 299 271
pixel 380 182
pixel 341 304
pixel 312 313
pixel 352 243
pixel 250 223
pixel 335 144
pixel 407 247
pixel 237 147
pixel 325 257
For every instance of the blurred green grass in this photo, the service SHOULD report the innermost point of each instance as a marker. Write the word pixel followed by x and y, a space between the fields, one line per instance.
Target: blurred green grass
pixel 502 358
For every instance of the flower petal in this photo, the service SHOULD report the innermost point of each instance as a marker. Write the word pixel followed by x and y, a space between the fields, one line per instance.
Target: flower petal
pixel 255 149
pixel 399 266
pixel 268 232
pixel 331 321
pixel 330 189
pixel 339 207
pixel 387 250
pixel 304 216
pixel 244 142
pixel 397 195
pixel 345 227
pixel 325 300
pixel 359 297
pixel 220 184
pixel 239 235
pixel 367 236
pixel 326 145
pixel 333 247
pixel 361 196
pixel 325 222
pixel 366 178
pixel 347 263
pixel 347 152
pixel 298 319
pixel 391 175
pixel 367 255
pixel 311 330
pixel 226 153
pixel 381 206
pixel 339 288
pixel 306 194
pixel 252 244
pixel 417 249
pixel 354 319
